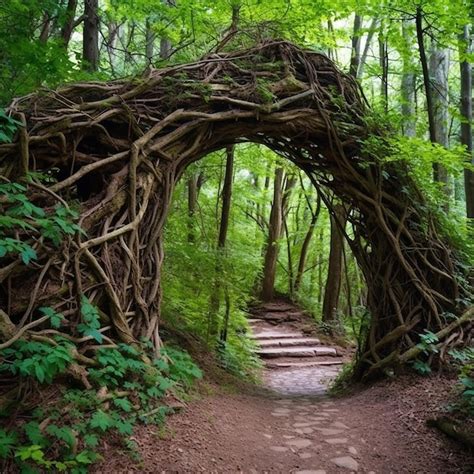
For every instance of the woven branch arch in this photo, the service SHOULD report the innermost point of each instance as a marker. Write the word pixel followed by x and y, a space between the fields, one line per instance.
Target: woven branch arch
pixel 119 147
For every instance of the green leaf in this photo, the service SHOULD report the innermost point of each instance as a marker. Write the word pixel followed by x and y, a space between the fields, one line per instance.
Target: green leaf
pixel 124 404
pixel 101 420
pixel 7 442
pixel 91 440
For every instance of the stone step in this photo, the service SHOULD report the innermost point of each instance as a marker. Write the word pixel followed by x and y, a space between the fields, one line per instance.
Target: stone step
pixel 301 351
pixel 302 365
pixel 276 335
pixel 254 320
pixel 288 342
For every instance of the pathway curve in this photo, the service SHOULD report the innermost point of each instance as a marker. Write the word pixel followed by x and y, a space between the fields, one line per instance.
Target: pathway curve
pixel 299 369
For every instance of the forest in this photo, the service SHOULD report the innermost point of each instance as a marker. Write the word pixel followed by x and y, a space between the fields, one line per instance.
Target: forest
pixel 236 236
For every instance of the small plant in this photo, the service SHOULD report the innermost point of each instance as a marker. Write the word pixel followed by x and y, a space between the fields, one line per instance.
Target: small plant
pixel 427 344
pixel 65 436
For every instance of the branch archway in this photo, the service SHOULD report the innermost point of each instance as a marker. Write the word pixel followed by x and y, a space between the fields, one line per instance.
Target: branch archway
pixel 119 147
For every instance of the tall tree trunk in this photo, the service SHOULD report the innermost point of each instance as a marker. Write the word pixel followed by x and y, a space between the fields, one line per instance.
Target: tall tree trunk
pixel 90 42
pixel 439 65
pixel 408 84
pixel 221 243
pixel 466 114
pixel 165 42
pixel 426 74
pixel 355 49
pixel 368 42
pixel 192 205
pixel 305 246
pixel 274 233
pixel 435 106
pixel 149 42
pixel 69 22
pixel 383 58
pixel 333 282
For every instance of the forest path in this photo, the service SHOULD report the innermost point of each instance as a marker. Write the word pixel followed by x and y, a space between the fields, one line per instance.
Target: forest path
pixel 295 427
pixel 297 362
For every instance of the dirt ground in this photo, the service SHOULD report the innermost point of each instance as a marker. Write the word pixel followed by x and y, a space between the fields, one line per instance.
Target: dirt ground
pixel 381 429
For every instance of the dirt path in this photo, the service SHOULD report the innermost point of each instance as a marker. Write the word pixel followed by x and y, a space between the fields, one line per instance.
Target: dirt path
pixel 298 429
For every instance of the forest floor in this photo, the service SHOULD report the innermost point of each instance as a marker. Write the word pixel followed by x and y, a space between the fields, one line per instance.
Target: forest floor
pixel 291 425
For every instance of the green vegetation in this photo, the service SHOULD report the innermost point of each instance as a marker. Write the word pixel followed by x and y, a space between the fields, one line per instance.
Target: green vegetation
pixel 245 223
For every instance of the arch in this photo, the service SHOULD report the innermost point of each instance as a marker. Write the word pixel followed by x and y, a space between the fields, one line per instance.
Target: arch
pixel 119 148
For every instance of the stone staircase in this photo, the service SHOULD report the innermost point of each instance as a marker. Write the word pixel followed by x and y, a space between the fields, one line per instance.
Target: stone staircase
pixel 282 345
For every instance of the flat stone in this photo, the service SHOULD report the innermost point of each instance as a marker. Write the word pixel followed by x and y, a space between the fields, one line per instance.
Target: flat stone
pixel 329 432
pixel 305 455
pixel 307 430
pixel 289 437
pixel 305 425
pixel 310 471
pixel 338 424
pixel 269 436
pixel 353 450
pixel 282 410
pixel 346 462
pixel 299 443
pixel 279 414
pixel 279 449
pixel 336 440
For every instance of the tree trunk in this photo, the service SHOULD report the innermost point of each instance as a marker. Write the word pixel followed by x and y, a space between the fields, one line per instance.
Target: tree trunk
pixel 408 84
pixel 69 22
pixel 149 42
pixel 466 114
pixel 333 282
pixel 383 58
pixel 192 205
pixel 221 243
pixel 90 42
pixel 305 246
pixel 274 233
pixel 368 41
pixel 355 49
pixel 439 66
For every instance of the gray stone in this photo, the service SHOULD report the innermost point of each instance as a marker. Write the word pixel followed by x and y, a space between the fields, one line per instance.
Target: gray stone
pixel 353 450
pixel 305 455
pixel 310 471
pixel 329 431
pixel 338 424
pixel 299 443
pixel 336 440
pixel 279 449
pixel 346 462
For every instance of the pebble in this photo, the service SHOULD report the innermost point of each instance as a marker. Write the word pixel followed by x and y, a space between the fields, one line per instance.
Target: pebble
pixel 299 443
pixel 279 449
pixel 336 441
pixel 346 462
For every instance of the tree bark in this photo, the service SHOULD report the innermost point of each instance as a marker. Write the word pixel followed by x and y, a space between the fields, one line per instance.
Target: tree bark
pixel 466 114
pixel 439 65
pixel 274 233
pixel 192 205
pixel 333 282
pixel 408 84
pixel 149 42
pixel 355 49
pixel 305 246
pixel 69 23
pixel 221 244
pixel 90 42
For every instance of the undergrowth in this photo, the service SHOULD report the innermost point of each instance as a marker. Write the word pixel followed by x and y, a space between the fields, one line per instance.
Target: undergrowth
pixel 64 433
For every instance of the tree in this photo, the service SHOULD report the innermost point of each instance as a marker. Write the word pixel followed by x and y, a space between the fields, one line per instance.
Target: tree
pixel 466 114
pixel 90 42
pixel 274 233
pixel 333 281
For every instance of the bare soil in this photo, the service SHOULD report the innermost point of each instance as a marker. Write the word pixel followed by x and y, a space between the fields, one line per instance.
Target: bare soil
pixel 291 425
